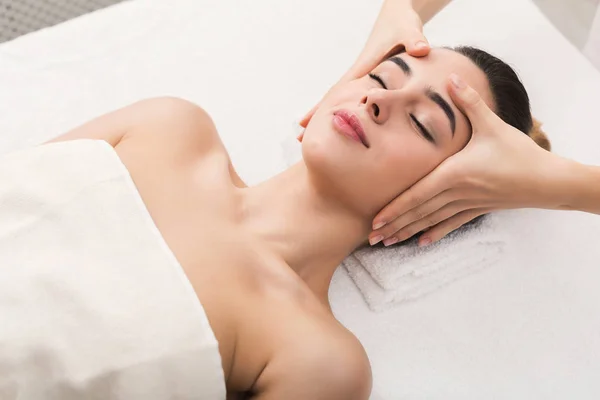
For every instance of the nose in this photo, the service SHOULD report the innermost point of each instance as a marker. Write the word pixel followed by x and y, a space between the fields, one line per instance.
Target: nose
pixel 382 105
pixel 377 107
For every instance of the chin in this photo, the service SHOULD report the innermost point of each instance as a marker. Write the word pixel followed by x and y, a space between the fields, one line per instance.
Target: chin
pixel 319 159
pixel 329 157
pixel 329 166
pixel 322 146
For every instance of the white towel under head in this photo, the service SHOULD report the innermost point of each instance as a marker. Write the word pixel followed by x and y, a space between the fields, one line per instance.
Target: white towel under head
pixel 405 272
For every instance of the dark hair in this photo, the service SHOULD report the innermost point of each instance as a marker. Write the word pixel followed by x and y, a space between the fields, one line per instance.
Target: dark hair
pixel 511 103
pixel 510 97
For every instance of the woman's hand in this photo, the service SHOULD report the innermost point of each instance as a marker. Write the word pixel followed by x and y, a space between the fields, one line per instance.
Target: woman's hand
pixel 397 26
pixel 500 168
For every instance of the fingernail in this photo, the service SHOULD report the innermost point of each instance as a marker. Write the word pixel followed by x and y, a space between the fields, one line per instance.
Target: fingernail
pixel 378 225
pixel 457 82
pixel 390 241
pixel 424 242
pixel 421 45
pixel 375 240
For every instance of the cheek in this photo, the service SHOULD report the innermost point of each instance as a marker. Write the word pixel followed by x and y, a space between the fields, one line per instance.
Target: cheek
pixel 406 163
pixel 348 92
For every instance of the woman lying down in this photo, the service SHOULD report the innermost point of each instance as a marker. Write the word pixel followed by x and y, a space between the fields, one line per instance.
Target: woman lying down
pixel 138 264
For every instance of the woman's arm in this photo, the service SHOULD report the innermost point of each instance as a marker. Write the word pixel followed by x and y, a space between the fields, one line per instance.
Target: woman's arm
pixel 148 115
pixel 181 128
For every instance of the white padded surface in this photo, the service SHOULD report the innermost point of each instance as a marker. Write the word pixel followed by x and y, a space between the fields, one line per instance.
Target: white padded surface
pixel 23 16
pixel 529 329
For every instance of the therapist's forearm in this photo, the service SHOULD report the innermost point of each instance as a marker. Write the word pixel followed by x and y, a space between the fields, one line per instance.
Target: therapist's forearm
pixel 578 186
pixel 427 9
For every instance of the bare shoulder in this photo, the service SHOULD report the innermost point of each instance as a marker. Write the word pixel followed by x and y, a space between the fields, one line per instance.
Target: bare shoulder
pixel 148 117
pixel 339 363
pixel 186 128
pixel 322 360
pixel 176 122
pixel 169 127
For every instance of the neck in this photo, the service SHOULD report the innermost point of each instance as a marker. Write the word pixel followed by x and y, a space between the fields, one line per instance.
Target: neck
pixel 303 224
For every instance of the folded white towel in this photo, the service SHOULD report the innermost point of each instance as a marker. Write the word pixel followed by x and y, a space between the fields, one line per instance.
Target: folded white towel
pixel 405 272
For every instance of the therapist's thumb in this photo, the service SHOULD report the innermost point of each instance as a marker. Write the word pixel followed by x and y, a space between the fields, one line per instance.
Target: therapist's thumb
pixel 470 102
pixel 417 45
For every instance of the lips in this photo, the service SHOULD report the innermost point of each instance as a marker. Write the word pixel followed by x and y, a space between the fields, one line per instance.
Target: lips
pixel 348 124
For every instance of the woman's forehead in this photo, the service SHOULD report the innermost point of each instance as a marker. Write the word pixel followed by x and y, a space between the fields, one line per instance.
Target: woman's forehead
pixel 440 63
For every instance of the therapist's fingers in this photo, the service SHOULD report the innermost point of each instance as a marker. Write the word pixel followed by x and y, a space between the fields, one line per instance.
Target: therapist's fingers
pixel 471 103
pixel 306 119
pixel 446 212
pixel 424 213
pixel 365 64
pixel 445 227
pixel 422 191
pixel 417 45
pixel 414 42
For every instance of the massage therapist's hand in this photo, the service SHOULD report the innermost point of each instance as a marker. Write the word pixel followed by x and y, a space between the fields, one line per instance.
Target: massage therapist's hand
pixel 397 26
pixel 500 168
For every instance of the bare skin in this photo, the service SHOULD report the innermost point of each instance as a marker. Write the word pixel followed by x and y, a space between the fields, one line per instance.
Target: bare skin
pixel 261 258
pixel 398 25
pixel 277 336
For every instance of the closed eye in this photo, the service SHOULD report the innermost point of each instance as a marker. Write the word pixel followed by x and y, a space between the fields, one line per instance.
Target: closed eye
pixel 423 130
pixel 378 79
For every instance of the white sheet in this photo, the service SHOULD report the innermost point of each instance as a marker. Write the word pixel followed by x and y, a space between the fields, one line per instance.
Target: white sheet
pixel 94 304
pixel 528 329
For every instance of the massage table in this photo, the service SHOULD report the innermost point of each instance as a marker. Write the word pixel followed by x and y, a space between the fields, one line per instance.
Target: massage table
pixel 527 328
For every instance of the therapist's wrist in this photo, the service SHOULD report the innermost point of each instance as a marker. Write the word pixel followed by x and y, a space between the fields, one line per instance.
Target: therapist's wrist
pixel 427 9
pixel 563 184
pixel 393 10
pixel 577 186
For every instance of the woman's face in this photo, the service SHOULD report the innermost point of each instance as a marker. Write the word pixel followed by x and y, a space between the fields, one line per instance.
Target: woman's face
pixel 374 137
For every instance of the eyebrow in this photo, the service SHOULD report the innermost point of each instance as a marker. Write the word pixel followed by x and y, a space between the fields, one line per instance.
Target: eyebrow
pixel 432 94
pixel 439 100
pixel 402 64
